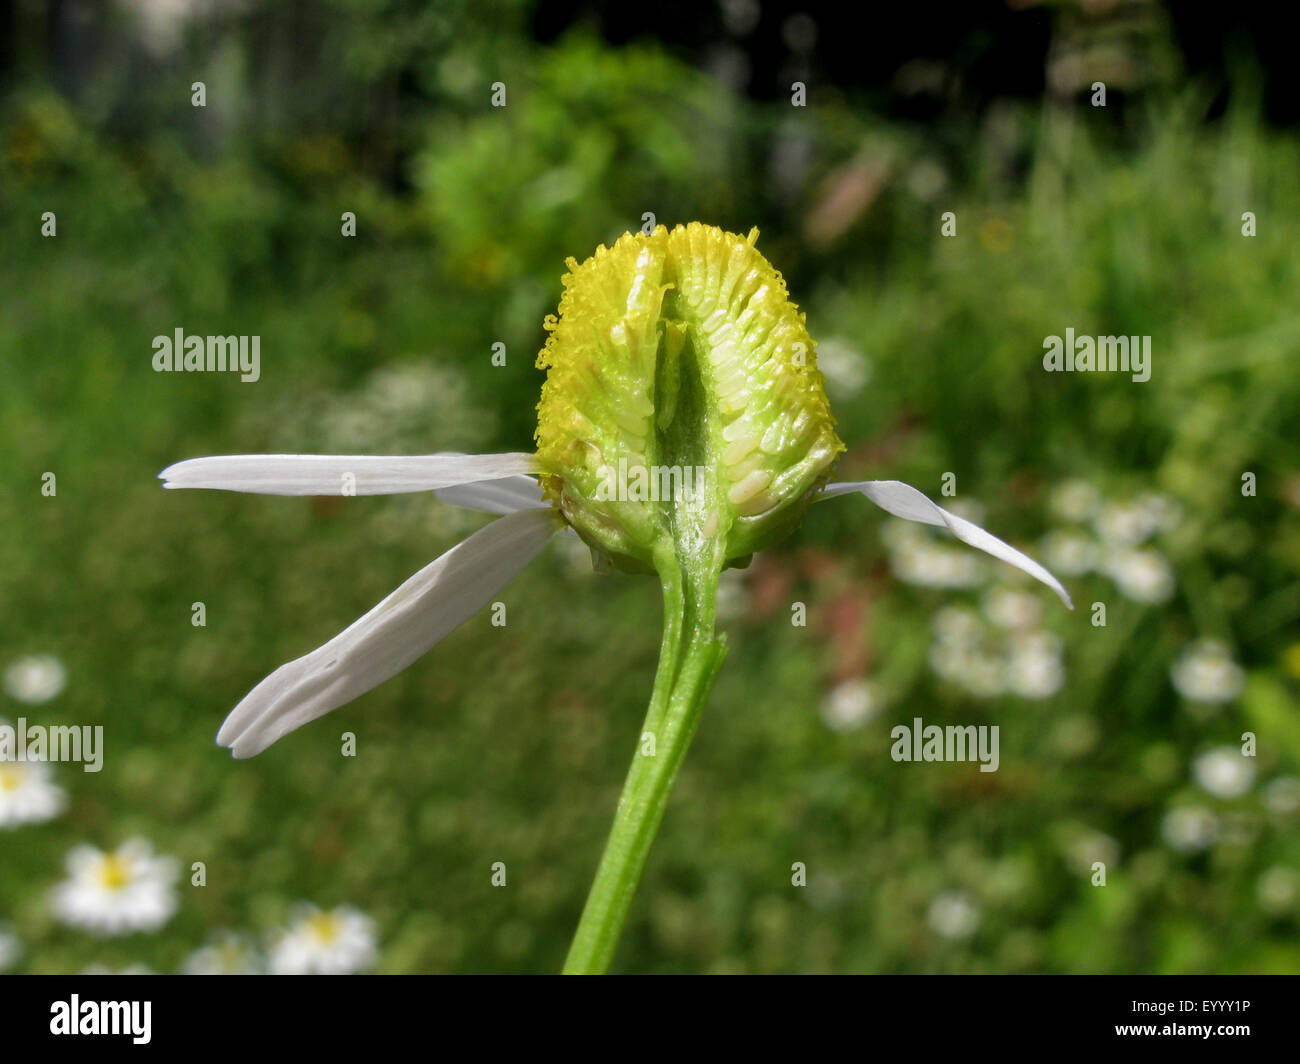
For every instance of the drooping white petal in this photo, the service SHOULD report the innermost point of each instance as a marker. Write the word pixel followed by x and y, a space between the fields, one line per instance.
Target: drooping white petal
pixel 386 640
pixel 505 496
pixel 329 474
pixel 903 500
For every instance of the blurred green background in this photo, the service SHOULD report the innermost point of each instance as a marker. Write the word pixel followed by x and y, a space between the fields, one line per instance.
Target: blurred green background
pixel 1119 743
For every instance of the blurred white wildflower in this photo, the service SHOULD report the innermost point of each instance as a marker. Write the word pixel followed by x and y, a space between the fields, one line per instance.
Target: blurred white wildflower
pixel 1160 513
pixel 1069 552
pixel 851 704
pixel 28 794
pixel 10 947
pixel 130 969
pixel 989 661
pixel 1282 796
pixel 1075 500
pixel 226 953
pixel 1190 828
pixel 1207 673
pixel 338 942
pixel 117 892
pixel 846 369
pixel 35 679
pixel 1142 575
pixel 1125 524
pixel 1084 848
pixel 1008 608
pixel 953 914
pixel 1035 668
pixel 1224 772
pixel 1278 890
pixel 957 625
pixel 980 673
pixel 927 565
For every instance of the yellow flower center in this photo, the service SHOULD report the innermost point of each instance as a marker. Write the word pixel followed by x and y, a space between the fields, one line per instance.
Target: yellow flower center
pixel 114 872
pixel 324 926
pixel 11 776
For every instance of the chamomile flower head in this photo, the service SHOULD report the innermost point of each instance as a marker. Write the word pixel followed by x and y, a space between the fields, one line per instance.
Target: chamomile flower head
pixel 117 892
pixel 680 351
pixel 28 793
pixel 338 941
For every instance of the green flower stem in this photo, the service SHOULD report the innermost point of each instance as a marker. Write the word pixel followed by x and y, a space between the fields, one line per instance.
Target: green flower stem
pixel 688 661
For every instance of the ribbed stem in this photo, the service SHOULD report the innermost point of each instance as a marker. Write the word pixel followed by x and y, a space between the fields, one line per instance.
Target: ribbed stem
pixel 688 661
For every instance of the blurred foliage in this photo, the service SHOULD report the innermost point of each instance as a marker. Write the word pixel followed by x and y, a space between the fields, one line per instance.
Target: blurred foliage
pixel 510 744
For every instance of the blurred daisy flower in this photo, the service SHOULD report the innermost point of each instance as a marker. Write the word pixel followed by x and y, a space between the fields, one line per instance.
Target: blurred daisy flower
pixel 117 892
pixel 1141 575
pixel 1224 773
pixel 1190 828
pixel 954 914
pixel 1206 673
pixel 1009 655
pixel 340 941
pixel 851 704
pixel 28 794
pixel 35 679
pixel 1075 500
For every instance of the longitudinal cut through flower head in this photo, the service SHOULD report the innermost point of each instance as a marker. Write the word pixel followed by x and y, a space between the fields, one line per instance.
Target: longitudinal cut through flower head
pixel 682 407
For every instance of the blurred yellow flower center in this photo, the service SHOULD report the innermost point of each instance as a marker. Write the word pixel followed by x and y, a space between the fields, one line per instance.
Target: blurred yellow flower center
pixel 324 927
pixel 114 872
pixel 11 777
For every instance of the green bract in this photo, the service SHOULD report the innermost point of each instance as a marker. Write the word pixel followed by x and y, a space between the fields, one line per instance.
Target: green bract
pixel 682 408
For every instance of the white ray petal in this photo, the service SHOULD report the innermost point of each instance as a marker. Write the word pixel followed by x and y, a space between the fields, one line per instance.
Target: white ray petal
pixel 386 640
pixel 331 474
pixel 903 500
pixel 505 496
